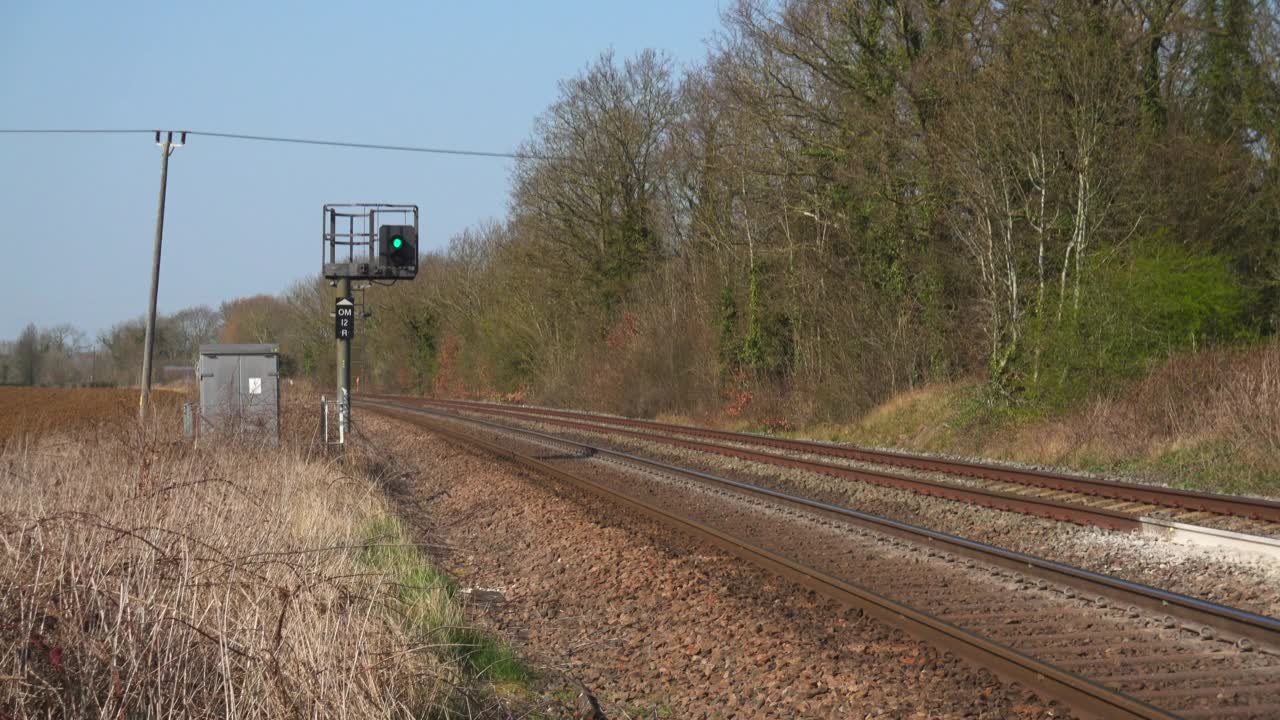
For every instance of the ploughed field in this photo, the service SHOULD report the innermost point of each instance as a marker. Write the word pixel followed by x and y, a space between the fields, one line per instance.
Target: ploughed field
pixel 39 409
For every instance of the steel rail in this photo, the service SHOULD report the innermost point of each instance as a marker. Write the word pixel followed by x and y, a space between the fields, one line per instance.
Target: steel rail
pixel 1080 693
pixel 1042 507
pixel 1233 623
pixel 1257 508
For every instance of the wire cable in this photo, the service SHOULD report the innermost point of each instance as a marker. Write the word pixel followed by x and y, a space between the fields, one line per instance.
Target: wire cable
pixel 281 139
pixel 72 131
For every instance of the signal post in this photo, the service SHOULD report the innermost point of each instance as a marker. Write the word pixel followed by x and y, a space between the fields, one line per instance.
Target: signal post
pixel 344 315
pixel 377 242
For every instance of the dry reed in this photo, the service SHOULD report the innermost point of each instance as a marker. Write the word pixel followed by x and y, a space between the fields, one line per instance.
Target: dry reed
pixel 141 577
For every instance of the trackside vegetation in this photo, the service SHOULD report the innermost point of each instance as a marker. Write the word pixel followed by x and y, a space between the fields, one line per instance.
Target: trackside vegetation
pixel 1203 420
pixel 427 603
pixel 144 577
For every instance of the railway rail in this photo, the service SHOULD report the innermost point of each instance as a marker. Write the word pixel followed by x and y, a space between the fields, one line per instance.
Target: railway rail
pixel 1242 524
pixel 1105 646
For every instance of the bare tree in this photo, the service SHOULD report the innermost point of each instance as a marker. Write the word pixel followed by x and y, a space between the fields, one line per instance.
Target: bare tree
pixel 590 191
pixel 27 355
pixel 59 345
pixel 190 328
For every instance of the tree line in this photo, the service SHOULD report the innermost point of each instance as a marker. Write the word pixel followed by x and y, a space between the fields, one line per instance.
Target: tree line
pixel 852 198
pixel 64 355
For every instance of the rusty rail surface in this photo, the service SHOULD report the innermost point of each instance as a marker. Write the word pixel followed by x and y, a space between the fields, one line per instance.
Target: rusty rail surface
pixel 1081 693
pixel 1256 508
pixel 1070 512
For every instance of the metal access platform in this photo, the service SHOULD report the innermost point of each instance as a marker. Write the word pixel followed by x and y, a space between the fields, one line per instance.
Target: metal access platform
pixel 350 249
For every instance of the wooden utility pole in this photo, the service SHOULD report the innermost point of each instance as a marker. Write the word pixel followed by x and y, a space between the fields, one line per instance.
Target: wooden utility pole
pixel 148 343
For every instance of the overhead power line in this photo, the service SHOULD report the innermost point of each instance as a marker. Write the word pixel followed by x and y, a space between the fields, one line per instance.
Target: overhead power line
pixel 364 146
pixel 278 139
pixel 74 131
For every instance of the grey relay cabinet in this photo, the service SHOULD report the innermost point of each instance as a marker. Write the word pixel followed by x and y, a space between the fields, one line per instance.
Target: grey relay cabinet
pixel 240 390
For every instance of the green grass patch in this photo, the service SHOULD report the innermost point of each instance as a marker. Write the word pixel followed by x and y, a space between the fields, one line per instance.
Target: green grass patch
pixel 934 418
pixel 1215 465
pixel 426 601
pixel 487 657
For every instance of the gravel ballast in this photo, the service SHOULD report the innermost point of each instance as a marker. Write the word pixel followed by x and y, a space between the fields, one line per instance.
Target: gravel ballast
pixel 1206 573
pixel 657 625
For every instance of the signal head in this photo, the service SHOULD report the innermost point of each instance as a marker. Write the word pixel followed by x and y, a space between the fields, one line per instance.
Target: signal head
pixel 398 246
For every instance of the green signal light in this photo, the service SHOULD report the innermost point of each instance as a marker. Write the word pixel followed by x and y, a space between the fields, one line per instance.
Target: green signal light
pixel 396 242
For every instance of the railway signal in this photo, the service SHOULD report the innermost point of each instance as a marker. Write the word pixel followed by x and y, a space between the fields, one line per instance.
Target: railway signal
pixel 398 245
pixel 362 241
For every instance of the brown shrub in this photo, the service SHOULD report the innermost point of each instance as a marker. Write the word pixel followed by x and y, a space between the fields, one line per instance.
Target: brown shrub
pixel 1198 408
pixel 1208 420
pixel 1224 394
pixel 652 361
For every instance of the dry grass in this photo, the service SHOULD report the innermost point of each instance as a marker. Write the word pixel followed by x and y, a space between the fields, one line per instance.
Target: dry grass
pixel 1205 420
pixel 1209 419
pixel 920 417
pixel 141 577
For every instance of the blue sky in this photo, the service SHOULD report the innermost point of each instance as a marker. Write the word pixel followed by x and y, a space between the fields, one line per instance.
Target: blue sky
pixel 78 212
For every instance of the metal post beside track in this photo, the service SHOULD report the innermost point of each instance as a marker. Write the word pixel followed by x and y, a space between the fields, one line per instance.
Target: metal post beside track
pixel 344 371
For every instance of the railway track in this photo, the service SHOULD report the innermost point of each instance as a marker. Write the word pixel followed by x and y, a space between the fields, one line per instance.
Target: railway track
pixel 1242 524
pixel 1105 646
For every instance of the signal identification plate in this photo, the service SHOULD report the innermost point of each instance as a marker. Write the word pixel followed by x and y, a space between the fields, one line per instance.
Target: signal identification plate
pixel 344 319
